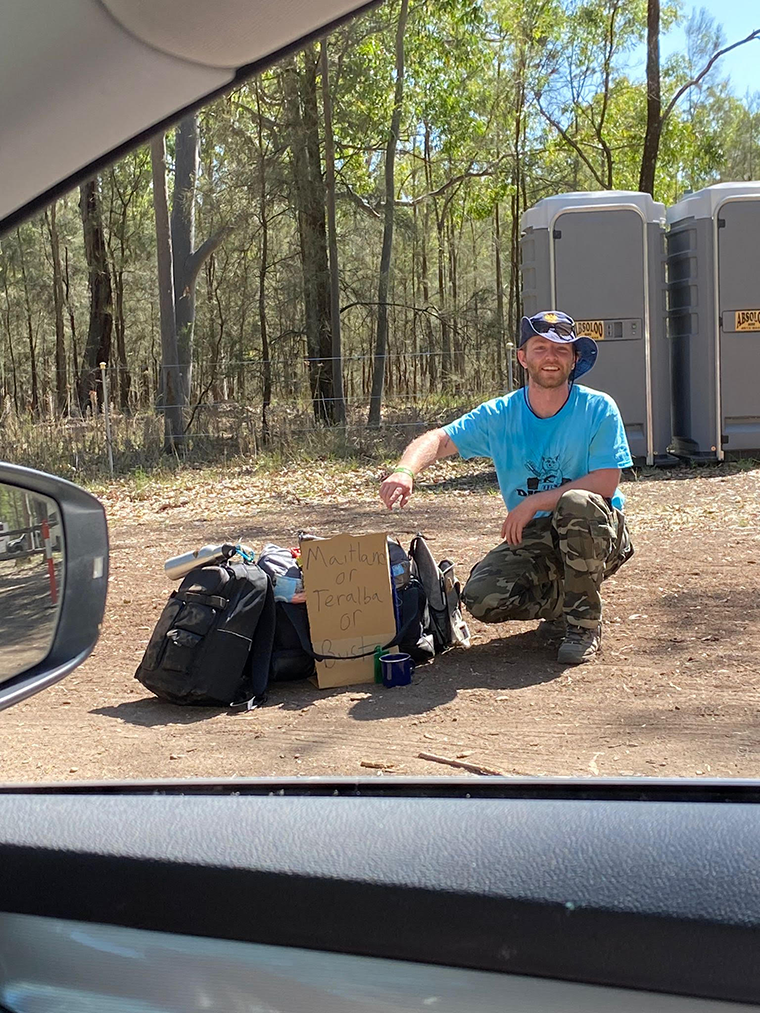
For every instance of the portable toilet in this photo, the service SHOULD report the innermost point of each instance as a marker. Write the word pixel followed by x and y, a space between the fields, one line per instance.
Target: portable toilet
pixel 600 257
pixel 713 317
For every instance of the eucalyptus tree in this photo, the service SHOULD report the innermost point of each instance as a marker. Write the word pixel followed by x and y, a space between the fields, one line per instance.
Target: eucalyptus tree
pixel 707 47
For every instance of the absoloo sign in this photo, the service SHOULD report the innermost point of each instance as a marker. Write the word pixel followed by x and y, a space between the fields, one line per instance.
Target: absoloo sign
pixel 350 604
pixel 747 320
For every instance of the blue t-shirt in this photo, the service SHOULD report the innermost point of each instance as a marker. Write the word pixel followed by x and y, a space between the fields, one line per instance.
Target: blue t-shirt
pixel 532 454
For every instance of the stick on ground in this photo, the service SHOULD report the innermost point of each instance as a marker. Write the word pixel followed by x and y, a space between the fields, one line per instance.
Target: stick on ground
pixel 473 768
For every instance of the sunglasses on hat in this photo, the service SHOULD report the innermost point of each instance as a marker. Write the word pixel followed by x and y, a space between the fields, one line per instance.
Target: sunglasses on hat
pixel 543 323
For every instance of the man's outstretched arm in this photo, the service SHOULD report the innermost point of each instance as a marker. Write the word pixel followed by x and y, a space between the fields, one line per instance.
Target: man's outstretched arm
pixel 399 485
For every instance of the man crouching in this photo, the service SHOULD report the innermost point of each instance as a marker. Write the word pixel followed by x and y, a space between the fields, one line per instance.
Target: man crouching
pixel 558 449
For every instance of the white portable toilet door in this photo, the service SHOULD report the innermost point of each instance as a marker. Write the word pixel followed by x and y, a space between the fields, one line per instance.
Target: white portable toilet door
pixel 600 261
pixel 739 323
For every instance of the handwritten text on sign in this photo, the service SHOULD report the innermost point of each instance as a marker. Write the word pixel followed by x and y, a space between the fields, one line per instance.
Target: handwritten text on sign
pixel 350 603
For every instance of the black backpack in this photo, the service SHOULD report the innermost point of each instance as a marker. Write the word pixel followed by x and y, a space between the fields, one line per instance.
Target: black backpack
pixel 443 594
pixel 291 629
pixel 212 644
pixel 290 660
pixel 413 622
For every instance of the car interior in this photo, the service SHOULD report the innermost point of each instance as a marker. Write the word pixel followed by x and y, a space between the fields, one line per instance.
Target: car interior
pixel 357 893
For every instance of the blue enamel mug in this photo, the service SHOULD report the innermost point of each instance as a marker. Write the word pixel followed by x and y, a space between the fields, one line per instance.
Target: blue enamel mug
pixel 396 669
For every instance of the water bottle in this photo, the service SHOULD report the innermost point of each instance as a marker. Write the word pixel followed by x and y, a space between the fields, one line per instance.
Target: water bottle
pixel 288 588
pixel 179 566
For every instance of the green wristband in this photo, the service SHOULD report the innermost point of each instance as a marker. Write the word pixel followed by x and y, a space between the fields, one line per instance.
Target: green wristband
pixel 404 471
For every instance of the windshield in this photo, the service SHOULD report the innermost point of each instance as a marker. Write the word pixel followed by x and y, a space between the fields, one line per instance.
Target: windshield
pixel 479 272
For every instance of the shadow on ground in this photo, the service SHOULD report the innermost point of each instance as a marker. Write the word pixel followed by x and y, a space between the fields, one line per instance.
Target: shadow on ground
pixel 511 663
pixel 151 712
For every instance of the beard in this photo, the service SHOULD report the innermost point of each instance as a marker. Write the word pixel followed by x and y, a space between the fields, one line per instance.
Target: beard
pixel 550 380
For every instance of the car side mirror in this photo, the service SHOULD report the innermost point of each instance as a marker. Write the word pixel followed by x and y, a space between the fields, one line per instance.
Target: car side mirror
pixel 53 579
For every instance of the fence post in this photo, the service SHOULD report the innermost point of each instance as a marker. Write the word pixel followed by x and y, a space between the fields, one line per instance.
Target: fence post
pixel 107 416
pixel 510 365
pixel 47 542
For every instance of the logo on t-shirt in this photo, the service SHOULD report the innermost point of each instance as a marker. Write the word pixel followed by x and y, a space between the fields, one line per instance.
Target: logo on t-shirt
pixel 543 476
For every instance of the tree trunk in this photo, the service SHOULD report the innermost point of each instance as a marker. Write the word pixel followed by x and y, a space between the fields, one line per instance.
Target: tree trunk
pixel 183 241
pixel 457 350
pixel 500 319
pixel 432 360
pixel 266 385
pixel 300 103
pixel 318 231
pixel 518 202
pixel 241 345
pixel 654 101
pixel 339 407
pixel 124 384
pixel 499 296
pixel 171 388
pixel 61 392
pixel 219 385
pixel 381 341
pixel 98 346
pixel 72 319
pixel 300 188
pixel 446 364
pixel 187 261
pixel 123 378
pixel 35 399
pixel 211 342
pixel 9 333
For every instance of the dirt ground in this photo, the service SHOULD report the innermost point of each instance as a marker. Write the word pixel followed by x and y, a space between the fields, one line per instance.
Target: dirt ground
pixel 675 691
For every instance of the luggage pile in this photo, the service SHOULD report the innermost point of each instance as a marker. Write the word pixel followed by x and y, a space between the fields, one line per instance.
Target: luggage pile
pixel 235 624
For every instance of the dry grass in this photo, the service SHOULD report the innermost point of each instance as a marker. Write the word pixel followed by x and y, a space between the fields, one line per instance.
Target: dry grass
pixel 76 448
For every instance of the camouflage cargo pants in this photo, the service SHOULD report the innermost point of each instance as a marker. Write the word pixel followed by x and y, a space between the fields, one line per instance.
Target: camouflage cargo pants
pixel 557 568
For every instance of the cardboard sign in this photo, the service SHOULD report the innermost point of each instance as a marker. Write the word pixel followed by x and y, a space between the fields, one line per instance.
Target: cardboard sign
pixel 350 603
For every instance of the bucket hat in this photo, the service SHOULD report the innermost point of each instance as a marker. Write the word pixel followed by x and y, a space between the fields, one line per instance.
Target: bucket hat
pixel 560 328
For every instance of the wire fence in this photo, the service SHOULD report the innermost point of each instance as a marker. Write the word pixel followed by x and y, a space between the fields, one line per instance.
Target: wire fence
pixel 110 437
pixel 407 374
pixel 111 441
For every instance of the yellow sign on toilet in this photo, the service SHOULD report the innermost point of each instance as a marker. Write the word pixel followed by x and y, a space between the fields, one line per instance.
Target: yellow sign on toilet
pixel 747 320
pixel 590 328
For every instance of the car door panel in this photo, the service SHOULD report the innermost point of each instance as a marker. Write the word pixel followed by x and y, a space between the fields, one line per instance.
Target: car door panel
pixel 56 966
pixel 657 895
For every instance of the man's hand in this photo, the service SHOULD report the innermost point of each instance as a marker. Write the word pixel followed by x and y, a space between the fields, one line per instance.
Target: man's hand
pixel 396 490
pixel 399 485
pixel 512 528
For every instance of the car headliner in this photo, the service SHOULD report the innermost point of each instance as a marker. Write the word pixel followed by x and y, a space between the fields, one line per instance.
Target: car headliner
pixel 83 81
